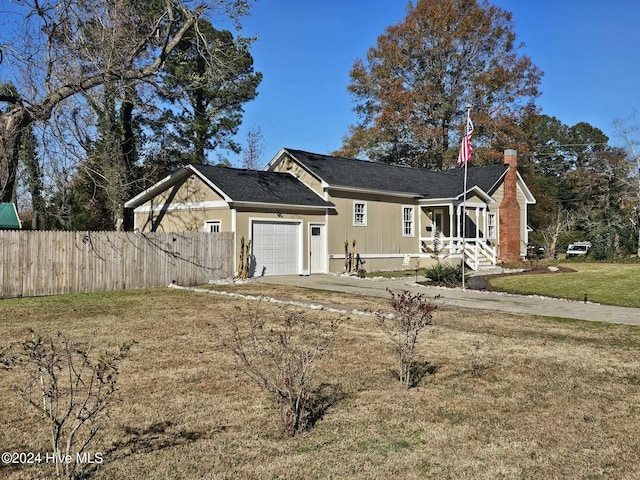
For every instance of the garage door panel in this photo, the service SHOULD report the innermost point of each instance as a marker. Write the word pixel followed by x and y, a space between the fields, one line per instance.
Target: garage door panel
pixel 276 247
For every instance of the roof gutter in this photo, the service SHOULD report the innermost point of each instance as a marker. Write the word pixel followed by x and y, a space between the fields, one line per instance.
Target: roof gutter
pixel 153 190
pixel 280 205
pixel 342 188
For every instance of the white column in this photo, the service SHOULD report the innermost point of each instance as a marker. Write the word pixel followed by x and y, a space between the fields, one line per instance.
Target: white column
pixel 419 213
pixel 451 228
pixel 458 224
pixel 484 222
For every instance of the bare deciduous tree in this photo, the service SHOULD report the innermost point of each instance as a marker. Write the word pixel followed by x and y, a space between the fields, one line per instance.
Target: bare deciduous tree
pixel 629 131
pixel 253 150
pixel 71 387
pixel 563 222
pixel 62 49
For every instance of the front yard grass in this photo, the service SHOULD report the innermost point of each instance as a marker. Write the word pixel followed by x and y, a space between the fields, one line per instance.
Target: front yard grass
pixel 557 399
pixel 612 284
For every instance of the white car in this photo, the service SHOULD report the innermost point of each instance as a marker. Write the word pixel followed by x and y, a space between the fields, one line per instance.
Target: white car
pixel 577 249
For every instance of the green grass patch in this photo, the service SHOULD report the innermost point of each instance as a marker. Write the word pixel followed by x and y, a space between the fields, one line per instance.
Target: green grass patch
pixel 606 283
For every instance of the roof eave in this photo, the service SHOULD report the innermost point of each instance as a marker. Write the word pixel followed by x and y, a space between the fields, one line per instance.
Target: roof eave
pixel 307 169
pixel 529 198
pixel 156 188
pixel 436 201
pixel 275 160
pixel 478 191
pixel 498 180
pixel 210 183
pixel 280 205
pixel 390 193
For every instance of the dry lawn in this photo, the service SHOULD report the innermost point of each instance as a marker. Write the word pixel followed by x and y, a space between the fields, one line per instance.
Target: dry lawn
pixel 557 399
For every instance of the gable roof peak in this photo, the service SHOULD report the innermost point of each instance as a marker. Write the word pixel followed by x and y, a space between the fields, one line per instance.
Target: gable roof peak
pixel 258 186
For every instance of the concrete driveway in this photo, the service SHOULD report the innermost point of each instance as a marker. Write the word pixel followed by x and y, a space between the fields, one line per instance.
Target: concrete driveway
pixel 469 299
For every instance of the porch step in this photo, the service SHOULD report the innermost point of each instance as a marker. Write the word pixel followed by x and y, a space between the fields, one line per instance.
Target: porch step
pixel 483 264
pixel 488 266
pixel 488 271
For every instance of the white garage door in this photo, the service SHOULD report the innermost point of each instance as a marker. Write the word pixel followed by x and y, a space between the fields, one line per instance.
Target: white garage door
pixel 276 248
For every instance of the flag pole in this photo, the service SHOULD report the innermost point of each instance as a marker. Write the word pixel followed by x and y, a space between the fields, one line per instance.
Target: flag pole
pixel 464 200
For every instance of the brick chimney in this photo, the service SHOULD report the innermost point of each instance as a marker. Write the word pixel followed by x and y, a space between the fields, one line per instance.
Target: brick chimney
pixel 510 212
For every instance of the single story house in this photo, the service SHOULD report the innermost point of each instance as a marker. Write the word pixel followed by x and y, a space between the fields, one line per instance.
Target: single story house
pixel 9 219
pixel 301 210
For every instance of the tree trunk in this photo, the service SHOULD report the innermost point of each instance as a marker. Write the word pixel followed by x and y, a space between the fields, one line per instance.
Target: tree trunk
pixel 12 124
pixel 638 252
pixel 128 141
pixel 638 207
pixel 34 181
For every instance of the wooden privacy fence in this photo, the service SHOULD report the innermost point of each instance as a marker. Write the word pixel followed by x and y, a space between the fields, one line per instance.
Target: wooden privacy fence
pixel 34 263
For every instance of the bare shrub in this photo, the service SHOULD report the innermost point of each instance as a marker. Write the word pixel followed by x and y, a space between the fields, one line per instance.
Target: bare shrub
pixel 71 387
pixel 413 313
pixel 281 355
pixel 479 357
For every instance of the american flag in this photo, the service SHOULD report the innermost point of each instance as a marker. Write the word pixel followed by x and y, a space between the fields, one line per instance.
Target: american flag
pixel 466 152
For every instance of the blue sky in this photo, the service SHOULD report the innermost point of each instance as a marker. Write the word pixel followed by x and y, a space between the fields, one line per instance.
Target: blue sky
pixel 588 50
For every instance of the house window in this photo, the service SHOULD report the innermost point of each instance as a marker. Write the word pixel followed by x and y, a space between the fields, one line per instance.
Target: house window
pixel 491 225
pixel 212 226
pixel 407 222
pixel 360 214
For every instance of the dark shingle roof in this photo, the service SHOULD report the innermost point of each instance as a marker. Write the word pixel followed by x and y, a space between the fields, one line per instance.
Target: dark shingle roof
pixel 352 173
pixel 485 177
pixel 261 187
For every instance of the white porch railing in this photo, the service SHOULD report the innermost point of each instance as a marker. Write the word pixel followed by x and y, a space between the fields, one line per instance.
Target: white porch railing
pixel 477 252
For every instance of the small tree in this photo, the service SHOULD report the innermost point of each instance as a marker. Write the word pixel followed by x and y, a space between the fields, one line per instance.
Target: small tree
pixel 562 223
pixel 413 313
pixel 71 387
pixel 253 150
pixel 281 356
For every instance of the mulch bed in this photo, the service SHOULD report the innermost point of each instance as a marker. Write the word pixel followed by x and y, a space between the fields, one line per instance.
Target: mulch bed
pixel 481 282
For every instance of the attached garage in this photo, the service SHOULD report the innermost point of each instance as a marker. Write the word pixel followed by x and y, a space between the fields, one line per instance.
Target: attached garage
pixel 274 210
pixel 277 247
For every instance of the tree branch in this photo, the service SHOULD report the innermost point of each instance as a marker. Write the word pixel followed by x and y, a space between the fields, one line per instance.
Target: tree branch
pixel 43 109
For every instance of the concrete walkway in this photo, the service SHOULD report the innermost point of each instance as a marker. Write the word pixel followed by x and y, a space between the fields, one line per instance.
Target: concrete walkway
pixel 469 299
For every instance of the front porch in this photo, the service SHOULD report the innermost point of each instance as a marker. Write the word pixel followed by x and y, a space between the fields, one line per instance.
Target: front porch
pixel 443 233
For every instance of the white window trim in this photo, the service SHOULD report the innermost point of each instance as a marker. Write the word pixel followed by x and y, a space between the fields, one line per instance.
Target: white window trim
pixel 208 224
pixel 363 213
pixel 413 221
pixel 491 226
